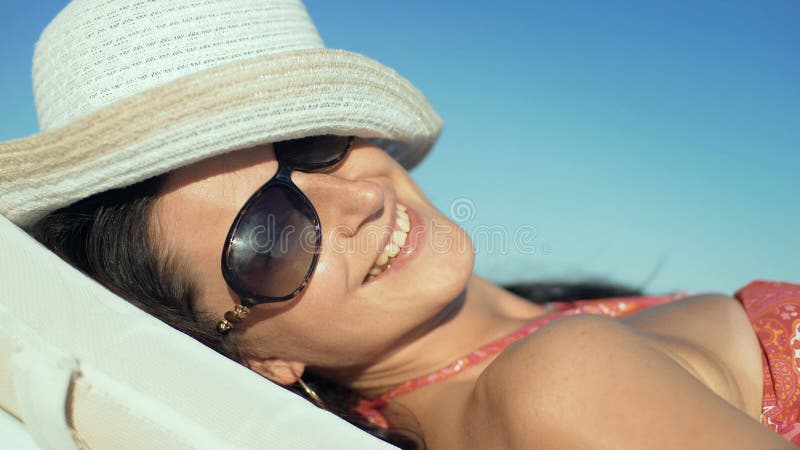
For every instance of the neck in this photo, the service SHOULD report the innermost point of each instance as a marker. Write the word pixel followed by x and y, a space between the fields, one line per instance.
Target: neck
pixel 482 313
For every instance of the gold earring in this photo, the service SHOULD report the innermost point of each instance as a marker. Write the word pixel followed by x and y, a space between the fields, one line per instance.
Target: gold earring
pixel 312 394
pixel 224 327
pixel 237 314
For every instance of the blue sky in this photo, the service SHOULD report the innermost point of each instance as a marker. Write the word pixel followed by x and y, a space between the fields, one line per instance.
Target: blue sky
pixel 654 143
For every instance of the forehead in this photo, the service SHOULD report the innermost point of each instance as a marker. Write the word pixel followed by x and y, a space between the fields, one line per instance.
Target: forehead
pixel 202 199
pixel 198 178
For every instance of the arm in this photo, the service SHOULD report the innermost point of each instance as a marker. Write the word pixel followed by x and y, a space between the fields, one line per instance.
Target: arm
pixel 591 382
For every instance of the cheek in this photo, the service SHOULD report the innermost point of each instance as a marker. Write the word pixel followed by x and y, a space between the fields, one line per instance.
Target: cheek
pixel 338 322
pixel 325 306
pixel 332 324
pixel 329 280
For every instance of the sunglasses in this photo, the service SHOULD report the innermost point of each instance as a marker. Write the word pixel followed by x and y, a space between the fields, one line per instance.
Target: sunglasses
pixel 273 244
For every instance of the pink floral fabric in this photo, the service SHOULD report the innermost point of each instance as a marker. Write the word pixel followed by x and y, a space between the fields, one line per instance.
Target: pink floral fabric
pixel 774 311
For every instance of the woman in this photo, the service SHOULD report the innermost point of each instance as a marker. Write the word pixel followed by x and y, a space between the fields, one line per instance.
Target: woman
pixel 214 165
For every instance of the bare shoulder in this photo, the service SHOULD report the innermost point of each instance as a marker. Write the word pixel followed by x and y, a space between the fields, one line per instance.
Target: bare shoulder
pixel 593 382
pixel 532 387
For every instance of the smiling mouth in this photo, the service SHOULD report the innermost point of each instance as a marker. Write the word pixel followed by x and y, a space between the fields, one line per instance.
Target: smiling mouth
pixel 399 236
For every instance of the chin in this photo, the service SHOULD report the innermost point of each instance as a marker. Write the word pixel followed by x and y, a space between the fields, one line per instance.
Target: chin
pixel 450 267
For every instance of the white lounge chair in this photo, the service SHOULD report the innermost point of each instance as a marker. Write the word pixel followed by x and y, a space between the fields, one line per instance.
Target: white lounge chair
pixel 80 367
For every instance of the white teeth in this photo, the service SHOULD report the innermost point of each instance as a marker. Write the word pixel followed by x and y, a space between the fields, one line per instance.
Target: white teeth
pixel 398 240
pixel 402 222
pixel 383 259
pixel 391 249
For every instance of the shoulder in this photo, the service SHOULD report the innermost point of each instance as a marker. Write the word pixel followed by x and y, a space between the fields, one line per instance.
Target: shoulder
pixel 537 386
pixel 560 345
pixel 589 381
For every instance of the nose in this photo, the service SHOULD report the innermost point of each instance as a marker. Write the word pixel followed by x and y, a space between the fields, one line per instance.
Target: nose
pixel 341 203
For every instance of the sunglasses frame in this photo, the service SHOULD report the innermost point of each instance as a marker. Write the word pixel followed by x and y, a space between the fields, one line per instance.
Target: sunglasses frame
pixel 283 178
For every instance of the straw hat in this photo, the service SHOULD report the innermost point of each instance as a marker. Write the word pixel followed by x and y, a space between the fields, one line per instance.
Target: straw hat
pixel 129 89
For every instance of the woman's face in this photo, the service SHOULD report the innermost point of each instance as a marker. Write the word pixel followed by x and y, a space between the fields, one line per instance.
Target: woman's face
pixel 344 318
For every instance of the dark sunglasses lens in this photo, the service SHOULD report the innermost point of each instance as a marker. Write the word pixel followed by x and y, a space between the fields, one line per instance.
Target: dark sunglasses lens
pixel 314 151
pixel 274 245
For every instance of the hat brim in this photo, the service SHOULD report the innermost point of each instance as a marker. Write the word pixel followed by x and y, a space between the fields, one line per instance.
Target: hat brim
pixel 230 107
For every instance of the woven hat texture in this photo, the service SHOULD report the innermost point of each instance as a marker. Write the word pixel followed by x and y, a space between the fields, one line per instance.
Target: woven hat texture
pixel 129 89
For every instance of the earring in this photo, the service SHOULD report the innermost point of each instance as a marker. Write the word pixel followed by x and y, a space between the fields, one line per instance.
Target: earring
pixel 312 394
pixel 237 314
pixel 223 327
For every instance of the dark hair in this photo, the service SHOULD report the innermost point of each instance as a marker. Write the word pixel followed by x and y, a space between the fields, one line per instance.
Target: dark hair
pixel 108 237
pixel 564 291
